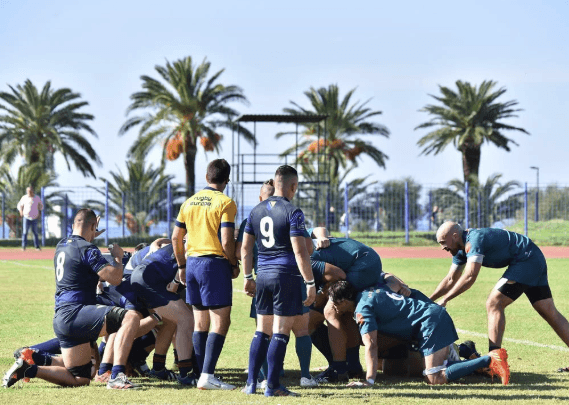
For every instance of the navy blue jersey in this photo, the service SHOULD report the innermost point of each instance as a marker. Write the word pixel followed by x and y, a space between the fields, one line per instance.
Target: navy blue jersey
pixel 77 263
pixel 164 261
pixel 122 295
pixel 273 222
pixel 137 258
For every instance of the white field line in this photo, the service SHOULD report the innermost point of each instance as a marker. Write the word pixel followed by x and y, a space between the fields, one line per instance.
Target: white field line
pixel 521 342
pixel 25 264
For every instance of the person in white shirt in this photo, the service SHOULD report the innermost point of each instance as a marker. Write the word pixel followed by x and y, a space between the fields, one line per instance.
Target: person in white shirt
pixel 30 206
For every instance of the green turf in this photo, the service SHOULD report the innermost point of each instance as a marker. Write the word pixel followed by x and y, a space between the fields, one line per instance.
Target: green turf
pixel 26 308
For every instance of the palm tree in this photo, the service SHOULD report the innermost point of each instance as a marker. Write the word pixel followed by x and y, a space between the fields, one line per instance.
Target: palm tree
pixel 344 124
pixel 184 109
pixel 36 125
pixel 14 187
pixel 144 189
pixel 467 119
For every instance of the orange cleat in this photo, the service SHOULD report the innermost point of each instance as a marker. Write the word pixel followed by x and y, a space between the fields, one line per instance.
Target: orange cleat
pixel 499 365
pixel 26 354
pixel 103 378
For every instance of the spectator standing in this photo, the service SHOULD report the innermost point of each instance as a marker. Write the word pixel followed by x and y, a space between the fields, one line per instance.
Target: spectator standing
pixel 30 206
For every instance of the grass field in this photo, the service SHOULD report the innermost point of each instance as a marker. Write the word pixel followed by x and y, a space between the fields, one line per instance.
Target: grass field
pixel 26 309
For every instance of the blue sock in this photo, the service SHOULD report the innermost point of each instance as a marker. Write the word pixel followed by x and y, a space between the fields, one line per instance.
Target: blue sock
pixel 275 358
pixel 200 340
pixel 31 372
pixel 257 355
pixel 321 341
pixel 103 367
pixel 116 370
pixel 213 348
pixel 102 346
pixel 51 346
pixel 41 358
pixel 461 368
pixel 353 358
pixel 340 366
pixel 304 353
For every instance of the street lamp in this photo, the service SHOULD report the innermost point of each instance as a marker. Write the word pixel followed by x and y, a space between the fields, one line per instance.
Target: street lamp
pixel 536 194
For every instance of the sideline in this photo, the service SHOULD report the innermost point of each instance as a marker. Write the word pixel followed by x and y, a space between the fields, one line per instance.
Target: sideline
pixel 521 342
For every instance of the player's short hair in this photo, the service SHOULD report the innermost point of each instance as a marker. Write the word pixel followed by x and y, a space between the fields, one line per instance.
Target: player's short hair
pixel 342 290
pixel 218 171
pixel 85 217
pixel 285 174
pixel 268 187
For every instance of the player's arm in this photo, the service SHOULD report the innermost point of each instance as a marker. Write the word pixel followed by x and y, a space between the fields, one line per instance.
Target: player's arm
pixel 370 342
pixel 321 235
pixel 448 282
pixel 303 262
pixel 111 273
pixel 247 264
pixel 179 252
pixel 158 243
pixel 468 278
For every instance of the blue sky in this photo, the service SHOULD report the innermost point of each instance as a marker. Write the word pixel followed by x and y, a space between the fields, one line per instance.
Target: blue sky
pixel 395 53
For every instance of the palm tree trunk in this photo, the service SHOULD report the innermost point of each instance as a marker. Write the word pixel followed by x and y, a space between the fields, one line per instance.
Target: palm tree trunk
pixel 470 162
pixel 190 166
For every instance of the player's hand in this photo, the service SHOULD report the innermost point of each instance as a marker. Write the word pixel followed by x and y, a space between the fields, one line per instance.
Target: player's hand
pixel 250 286
pixel 322 243
pixel 182 274
pixel 443 302
pixel 173 286
pixel 235 270
pixel 310 295
pixel 358 384
pixel 116 251
pixel 98 231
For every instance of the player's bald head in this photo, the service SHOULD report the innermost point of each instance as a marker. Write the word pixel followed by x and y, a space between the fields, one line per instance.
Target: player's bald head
pixel 267 189
pixel 285 176
pixel 84 218
pixel 448 228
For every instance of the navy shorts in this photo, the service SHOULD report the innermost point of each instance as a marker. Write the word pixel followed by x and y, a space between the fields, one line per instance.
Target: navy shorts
pixel 208 281
pixel 75 324
pixel 150 281
pixel 279 294
pixel 531 271
pixel 437 332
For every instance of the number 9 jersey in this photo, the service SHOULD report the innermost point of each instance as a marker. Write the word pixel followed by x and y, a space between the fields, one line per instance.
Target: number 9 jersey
pixel 273 222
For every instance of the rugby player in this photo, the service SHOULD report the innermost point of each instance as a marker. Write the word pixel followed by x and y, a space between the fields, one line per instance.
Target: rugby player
pixel 78 321
pixel 378 309
pixel 526 273
pixel 207 266
pixel 278 228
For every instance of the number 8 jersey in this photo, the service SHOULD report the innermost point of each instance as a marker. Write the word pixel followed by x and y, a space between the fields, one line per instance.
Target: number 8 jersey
pixel 273 222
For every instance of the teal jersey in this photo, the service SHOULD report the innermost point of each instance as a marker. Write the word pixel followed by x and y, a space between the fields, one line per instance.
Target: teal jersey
pixel 255 249
pixel 342 252
pixel 497 247
pixel 408 318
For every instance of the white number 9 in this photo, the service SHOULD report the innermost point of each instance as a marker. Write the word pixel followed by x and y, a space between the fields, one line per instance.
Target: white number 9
pixel 267 232
pixel 59 268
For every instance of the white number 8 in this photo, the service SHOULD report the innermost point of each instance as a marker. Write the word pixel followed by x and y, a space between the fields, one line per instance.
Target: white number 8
pixel 267 232
pixel 59 268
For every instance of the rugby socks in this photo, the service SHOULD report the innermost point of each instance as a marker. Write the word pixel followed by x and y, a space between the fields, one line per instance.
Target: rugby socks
pixel 321 341
pixel 104 367
pixel 51 346
pixel 116 370
pixel 493 347
pixel 213 348
pixel 200 340
pixel 304 353
pixel 185 367
pixel 340 366
pixel 41 358
pixel 102 346
pixel 275 358
pixel 31 372
pixel 257 355
pixel 353 358
pixel 158 362
pixel 459 369
pixel 264 372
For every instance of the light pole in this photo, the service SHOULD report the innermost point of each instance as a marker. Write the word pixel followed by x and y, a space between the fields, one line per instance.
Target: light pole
pixel 536 194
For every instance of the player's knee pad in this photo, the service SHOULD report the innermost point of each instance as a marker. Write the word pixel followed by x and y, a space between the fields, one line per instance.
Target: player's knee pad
pixel 83 371
pixel 511 290
pixel 114 319
pixel 539 293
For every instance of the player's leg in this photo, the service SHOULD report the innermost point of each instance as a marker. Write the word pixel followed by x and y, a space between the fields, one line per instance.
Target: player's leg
pixel 106 365
pixel 303 348
pixel 504 293
pixel 338 343
pixel 258 349
pixel 201 330
pixel 546 308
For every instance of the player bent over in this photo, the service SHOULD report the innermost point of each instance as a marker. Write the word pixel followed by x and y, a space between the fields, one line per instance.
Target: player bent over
pixel 378 309
pixel 150 280
pixel 78 321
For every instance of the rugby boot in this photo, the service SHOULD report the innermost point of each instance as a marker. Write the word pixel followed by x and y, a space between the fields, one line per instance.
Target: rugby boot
pixel 499 365
pixel 26 354
pixel 164 374
pixel 15 373
pixel 189 380
pixel 282 391
pixel 121 382
pixel 103 378
pixel 331 376
pixel 212 383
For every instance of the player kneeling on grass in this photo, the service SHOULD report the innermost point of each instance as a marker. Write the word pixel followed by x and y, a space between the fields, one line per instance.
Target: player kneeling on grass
pixel 378 309
pixel 151 280
pixel 78 321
